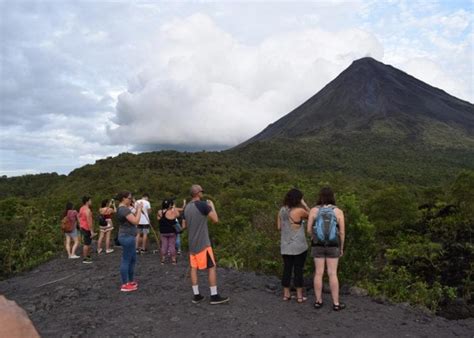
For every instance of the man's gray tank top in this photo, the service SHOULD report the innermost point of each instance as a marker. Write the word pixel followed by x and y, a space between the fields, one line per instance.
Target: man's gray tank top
pixel 293 242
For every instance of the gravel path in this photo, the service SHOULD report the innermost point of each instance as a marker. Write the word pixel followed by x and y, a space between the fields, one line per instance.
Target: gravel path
pixel 84 300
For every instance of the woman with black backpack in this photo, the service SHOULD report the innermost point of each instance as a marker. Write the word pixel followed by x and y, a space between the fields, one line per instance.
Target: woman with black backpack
pixel 107 209
pixel 327 229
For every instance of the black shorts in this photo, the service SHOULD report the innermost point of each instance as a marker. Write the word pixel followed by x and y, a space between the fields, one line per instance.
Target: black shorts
pixel 86 237
pixel 325 252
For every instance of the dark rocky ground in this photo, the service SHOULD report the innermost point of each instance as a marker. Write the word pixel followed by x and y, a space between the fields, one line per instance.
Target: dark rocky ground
pixel 86 301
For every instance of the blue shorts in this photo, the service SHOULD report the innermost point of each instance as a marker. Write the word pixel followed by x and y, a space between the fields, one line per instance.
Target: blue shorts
pixel 73 234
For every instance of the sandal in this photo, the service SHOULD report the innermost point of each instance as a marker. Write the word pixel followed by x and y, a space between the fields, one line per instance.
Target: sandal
pixel 339 307
pixel 301 300
pixel 318 305
pixel 286 298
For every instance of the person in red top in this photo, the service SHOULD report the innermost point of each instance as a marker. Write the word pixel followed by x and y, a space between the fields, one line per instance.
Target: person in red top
pixel 87 228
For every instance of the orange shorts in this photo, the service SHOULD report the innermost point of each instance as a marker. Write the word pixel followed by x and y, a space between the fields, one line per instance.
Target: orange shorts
pixel 203 259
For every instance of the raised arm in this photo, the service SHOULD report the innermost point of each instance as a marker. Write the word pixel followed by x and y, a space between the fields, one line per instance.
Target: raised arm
pixel 311 217
pixel 213 214
pixel 135 218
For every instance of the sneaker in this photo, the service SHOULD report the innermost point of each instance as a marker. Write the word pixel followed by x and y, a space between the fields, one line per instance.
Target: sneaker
pixel 99 251
pixel 217 299
pixel 74 257
pixel 197 299
pixel 87 260
pixel 128 287
pixel 137 251
pixel 134 283
pixel 179 252
pixel 109 251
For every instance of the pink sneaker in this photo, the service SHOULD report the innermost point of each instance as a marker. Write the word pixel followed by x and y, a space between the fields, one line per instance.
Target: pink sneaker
pixel 128 287
pixel 134 283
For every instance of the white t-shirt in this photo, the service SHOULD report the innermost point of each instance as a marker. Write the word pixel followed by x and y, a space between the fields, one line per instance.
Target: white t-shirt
pixel 146 206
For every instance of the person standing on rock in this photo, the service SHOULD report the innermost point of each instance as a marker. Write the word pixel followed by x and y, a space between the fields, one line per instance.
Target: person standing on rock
pixel 87 228
pixel 293 245
pixel 71 214
pixel 201 256
pixel 144 225
pixel 107 209
pixel 327 229
pixel 127 220
pixel 167 220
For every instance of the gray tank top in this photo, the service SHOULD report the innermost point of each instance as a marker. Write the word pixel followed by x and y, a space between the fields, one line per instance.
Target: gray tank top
pixel 293 242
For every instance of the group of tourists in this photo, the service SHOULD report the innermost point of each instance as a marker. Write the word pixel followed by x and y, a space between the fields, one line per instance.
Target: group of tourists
pixel 324 224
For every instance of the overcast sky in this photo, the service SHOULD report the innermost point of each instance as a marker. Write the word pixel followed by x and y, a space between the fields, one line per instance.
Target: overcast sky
pixel 83 80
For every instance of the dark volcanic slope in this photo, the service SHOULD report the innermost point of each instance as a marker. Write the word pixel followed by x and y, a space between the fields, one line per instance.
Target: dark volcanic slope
pixel 368 91
pixel 85 302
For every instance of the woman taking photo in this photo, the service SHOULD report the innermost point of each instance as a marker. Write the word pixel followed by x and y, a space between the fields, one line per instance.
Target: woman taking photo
pixel 293 242
pixel 327 229
pixel 71 214
pixel 128 221
pixel 107 208
pixel 167 219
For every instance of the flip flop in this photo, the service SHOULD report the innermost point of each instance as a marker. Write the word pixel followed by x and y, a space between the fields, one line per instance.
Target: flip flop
pixel 301 300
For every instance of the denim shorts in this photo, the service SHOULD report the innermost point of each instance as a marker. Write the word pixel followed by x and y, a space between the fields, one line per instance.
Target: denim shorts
pixel 143 229
pixel 73 234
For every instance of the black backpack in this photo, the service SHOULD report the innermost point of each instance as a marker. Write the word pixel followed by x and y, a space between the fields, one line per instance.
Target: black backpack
pixel 102 221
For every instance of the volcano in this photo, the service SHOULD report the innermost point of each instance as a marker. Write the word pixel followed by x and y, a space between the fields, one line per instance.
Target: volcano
pixel 372 97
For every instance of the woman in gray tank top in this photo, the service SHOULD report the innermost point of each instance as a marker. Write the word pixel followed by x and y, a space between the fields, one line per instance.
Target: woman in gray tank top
pixel 294 246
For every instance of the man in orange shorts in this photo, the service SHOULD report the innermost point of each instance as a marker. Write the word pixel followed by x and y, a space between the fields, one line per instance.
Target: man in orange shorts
pixel 201 256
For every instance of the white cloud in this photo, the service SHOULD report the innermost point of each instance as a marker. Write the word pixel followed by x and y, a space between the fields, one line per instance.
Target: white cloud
pixel 203 87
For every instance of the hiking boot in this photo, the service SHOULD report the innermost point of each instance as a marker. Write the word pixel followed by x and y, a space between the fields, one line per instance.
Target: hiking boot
pixel 197 299
pixel 109 251
pixel 87 260
pixel 128 287
pixel 217 299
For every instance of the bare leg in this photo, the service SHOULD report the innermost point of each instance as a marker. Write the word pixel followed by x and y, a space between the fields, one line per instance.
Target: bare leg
pixel 99 241
pixel 194 276
pixel 75 245
pixel 318 278
pixel 145 237
pixel 333 280
pixel 286 293
pixel 67 244
pixel 107 240
pixel 299 293
pixel 137 241
pixel 212 273
pixel 85 250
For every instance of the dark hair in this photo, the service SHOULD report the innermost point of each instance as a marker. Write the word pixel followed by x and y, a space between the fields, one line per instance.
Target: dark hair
pixel 293 198
pixel 69 206
pixel 146 195
pixel 167 204
pixel 103 204
pixel 123 195
pixel 326 196
pixel 85 199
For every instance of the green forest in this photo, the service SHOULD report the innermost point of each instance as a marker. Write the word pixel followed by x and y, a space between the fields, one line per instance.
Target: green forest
pixel 409 222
